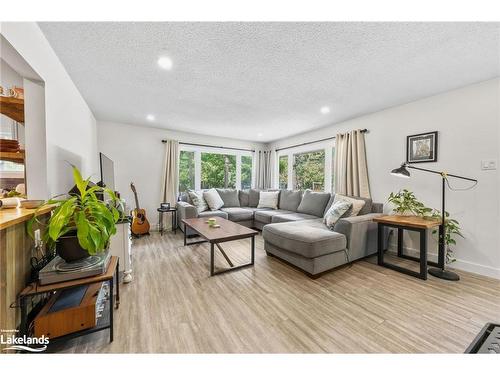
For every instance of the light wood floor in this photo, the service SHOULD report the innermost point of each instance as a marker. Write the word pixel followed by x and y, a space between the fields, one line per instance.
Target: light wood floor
pixel 173 306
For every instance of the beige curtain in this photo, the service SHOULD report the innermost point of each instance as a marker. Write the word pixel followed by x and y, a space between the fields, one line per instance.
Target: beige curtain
pixel 350 170
pixel 170 181
pixel 264 174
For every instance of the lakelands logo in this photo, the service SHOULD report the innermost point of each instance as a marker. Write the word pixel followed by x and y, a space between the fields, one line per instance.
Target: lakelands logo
pixel 22 343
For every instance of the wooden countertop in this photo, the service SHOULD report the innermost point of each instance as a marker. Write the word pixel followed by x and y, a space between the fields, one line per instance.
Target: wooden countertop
pixel 13 216
pixel 410 221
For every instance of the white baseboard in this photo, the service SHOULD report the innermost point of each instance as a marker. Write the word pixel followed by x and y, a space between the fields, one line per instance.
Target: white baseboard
pixel 458 264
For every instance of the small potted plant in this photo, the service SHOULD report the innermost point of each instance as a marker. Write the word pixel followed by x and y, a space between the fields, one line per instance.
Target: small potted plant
pixel 452 229
pixel 81 224
pixel 405 203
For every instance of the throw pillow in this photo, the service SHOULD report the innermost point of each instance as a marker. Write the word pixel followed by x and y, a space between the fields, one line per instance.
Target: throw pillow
pixel 290 200
pixel 313 203
pixel 357 204
pixel 230 197
pixel 244 198
pixel 335 212
pixel 197 200
pixel 268 199
pixel 213 199
pixel 253 199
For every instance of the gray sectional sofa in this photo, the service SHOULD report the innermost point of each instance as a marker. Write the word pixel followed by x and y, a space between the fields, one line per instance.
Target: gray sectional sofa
pixel 295 231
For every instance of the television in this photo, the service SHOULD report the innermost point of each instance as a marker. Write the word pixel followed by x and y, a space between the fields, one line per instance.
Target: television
pixel 107 172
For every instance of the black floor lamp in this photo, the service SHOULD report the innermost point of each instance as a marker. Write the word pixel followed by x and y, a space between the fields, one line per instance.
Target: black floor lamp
pixel 440 272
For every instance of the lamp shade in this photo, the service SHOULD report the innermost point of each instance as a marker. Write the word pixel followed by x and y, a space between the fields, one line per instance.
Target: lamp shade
pixel 401 171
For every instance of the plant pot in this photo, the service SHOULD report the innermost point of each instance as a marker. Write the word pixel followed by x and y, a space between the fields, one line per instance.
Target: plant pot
pixel 69 248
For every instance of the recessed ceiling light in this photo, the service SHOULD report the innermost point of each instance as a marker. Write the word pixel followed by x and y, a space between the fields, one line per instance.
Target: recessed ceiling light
pixel 324 110
pixel 260 135
pixel 165 62
pixel 150 118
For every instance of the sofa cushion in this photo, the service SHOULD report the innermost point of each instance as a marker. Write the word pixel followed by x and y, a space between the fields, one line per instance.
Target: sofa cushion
pixel 213 199
pixel 335 212
pixel 313 203
pixel 329 204
pixel 265 216
pixel 309 239
pixel 244 196
pixel 268 199
pixel 217 213
pixel 197 200
pixel 253 199
pixel 296 216
pixel 367 208
pixel 238 213
pixel 356 207
pixel 229 197
pixel 255 209
pixel 290 200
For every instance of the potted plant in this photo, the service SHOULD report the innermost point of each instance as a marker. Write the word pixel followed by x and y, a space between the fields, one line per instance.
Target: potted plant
pixel 80 224
pixel 452 229
pixel 405 203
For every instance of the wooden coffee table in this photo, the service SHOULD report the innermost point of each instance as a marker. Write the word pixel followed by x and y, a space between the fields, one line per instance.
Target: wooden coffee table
pixel 228 231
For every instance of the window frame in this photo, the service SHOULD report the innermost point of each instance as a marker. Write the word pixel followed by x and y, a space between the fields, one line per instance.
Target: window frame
pixel 326 146
pixel 198 150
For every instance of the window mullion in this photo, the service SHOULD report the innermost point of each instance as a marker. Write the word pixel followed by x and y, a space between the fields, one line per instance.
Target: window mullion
pixel 238 171
pixel 197 170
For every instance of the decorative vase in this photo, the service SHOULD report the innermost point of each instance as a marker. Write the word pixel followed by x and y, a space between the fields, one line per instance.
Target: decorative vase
pixel 69 248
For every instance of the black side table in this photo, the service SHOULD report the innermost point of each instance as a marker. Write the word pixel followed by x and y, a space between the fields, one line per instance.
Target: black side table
pixel 172 210
pixel 411 223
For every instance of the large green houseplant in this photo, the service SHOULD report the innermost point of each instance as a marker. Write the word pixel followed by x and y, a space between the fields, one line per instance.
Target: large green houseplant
pixel 81 224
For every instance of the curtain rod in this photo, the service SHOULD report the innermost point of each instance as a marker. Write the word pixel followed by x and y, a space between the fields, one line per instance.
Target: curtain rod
pixel 211 146
pixel 311 142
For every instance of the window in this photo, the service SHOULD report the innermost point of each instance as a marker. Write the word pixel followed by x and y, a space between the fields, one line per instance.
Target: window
pixel 186 170
pixel 309 170
pixel 218 171
pixel 246 172
pixel 283 171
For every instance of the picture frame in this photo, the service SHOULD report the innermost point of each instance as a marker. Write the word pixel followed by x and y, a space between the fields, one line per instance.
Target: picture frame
pixel 422 148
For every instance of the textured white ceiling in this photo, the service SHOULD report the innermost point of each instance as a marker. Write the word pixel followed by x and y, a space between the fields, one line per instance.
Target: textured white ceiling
pixel 240 79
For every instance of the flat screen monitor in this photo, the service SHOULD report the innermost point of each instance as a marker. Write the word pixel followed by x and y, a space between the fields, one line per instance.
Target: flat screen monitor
pixel 107 172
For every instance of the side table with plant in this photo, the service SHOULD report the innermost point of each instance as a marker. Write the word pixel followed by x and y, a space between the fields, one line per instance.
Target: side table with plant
pixel 405 203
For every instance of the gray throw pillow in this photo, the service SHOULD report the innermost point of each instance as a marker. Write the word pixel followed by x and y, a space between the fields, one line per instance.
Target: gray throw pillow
pixel 313 203
pixel 244 196
pixel 335 212
pixel 290 200
pixel 230 197
pixel 253 200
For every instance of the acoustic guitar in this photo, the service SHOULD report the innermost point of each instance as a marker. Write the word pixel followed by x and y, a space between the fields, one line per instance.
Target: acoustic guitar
pixel 140 224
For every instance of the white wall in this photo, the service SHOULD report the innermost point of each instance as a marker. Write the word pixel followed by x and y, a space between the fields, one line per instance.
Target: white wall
pixel 138 155
pixel 70 125
pixel 468 121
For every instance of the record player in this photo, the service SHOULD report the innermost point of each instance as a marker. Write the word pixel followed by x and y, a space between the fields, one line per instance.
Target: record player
pixel 58 270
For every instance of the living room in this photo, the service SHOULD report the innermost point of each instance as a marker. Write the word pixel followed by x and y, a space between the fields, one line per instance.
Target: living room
pixel 236 187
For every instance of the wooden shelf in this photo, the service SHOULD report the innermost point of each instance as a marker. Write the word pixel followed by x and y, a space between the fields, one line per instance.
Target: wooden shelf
pixel 13 108
pixel 16 157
